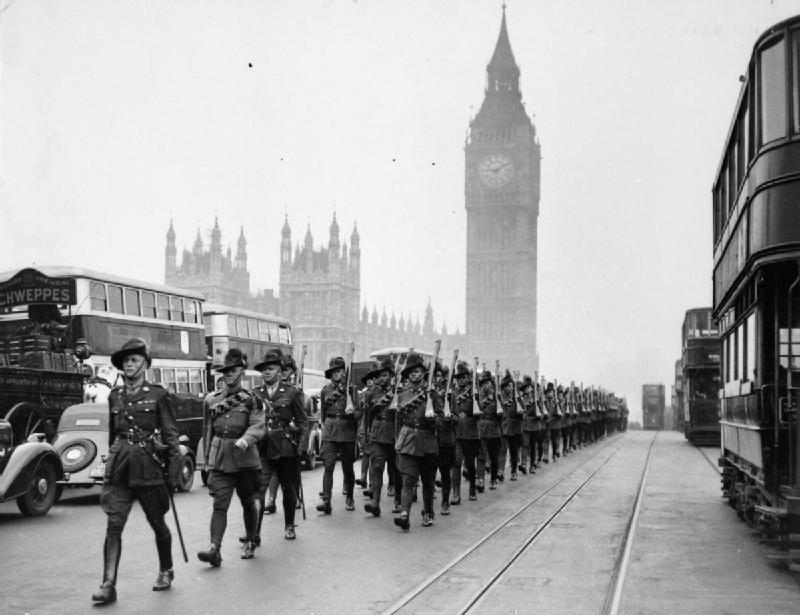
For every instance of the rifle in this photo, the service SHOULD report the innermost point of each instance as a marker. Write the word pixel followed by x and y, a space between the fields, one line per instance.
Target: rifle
pixel 520 404
pixel 302 366
pixel 448 384
pixel 498 403
pixel 348 374
pixel 429 403
pixel 476 410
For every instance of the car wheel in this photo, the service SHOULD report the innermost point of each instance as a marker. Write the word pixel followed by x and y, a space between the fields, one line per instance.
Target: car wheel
pixel 41 494
pixel 187 474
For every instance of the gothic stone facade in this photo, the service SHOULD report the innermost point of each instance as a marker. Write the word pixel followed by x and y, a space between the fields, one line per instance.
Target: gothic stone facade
pixel 502 202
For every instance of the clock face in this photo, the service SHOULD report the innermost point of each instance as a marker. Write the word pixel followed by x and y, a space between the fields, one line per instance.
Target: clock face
pixel 496 170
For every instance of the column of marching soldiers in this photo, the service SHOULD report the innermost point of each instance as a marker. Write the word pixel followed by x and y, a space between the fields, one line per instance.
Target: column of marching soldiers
pixel 414 419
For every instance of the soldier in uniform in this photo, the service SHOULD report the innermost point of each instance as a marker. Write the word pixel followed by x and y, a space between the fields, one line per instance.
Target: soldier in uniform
pixel 532 425
pixel 340 422
pixel 445 434
pixel 380 418
pixel 416 445
pixel 468 441
pixel 233 423
pixel 367 382
pixel 286 439
pixel 489 429
pixel 511 423
pixel 143 439
pixel 554 425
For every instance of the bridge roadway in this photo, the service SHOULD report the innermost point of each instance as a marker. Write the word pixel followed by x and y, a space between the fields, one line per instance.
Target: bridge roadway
pixel 580 536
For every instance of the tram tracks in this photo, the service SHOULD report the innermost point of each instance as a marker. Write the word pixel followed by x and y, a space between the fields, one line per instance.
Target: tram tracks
pixel 470 566
pixel 710 461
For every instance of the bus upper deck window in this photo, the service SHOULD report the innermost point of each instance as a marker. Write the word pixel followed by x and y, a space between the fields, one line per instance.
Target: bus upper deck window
pixel 148 305
pixel 176 309
pixel 132 302
pixel 163 306
pixel 190 310
pixel 115 299
pixel 98 296
pixel 285 336
pixel 263 331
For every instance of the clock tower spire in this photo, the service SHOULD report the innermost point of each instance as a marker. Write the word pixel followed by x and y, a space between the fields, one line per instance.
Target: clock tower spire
pixel 502 158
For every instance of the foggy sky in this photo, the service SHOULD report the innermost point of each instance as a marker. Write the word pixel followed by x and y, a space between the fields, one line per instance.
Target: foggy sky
pixel 117 117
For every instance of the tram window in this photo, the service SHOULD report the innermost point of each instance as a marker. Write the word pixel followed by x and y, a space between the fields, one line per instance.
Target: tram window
pixel 273 332
pixel 285 335
pixel 176 309
pixel 154 375
pixel 132 302
pixel 741 146
pixel 796 80
pixel 263 331
pixel 162 301
pixel 195 381
pixel 97 296
pixel 241 327
pixel 751 348
pixel 772 91
pixel 740 352
pixel 148 305
pixel 732 185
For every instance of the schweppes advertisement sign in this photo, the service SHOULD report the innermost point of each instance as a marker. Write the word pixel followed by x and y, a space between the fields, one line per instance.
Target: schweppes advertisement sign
pixel 31 286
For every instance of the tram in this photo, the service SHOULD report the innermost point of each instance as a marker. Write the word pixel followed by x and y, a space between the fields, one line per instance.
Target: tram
pixel 653 407
pixel 756 280
pixel 700 377
pixel 677 400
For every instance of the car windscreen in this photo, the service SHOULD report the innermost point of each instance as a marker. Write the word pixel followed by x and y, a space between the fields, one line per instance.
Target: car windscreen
pixel 84 422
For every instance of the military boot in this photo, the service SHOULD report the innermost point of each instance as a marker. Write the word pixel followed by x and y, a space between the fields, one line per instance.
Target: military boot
pixel 325 507
pixel 349 503
pixel 427 519
pixel 270 508
pixel 455 497
pixel 112 550
pixel 445 508
pixel 211 555
pixel 164 580
pixel 373 508
pixel 402 522
pixel 248 550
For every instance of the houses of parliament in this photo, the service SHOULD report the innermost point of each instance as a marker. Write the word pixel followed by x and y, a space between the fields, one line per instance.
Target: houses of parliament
pixel 320 288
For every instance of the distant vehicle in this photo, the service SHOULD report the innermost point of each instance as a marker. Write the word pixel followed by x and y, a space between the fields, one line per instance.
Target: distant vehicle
pixel 82 446
pixel 653 406
pixel 700 378
pixel 28 472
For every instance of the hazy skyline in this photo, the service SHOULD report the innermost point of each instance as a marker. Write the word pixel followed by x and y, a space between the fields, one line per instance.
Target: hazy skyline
pixel 117 117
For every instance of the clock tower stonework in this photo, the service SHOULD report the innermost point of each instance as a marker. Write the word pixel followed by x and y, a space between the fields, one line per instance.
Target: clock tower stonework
pixel 502 186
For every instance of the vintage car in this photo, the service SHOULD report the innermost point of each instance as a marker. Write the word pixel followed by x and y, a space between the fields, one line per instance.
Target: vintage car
pixel 82 445
pixel 28 472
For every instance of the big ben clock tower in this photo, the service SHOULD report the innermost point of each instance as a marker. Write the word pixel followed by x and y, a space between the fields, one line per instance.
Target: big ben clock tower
pixel 502 199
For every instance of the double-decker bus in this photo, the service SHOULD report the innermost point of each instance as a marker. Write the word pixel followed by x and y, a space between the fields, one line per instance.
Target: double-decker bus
pixel 251 332
pixel 105 310
pixel 700 361
pixel 755 199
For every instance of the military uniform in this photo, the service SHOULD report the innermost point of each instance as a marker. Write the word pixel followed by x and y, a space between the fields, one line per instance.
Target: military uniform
pixel 554 423
pixel 532 429
pixel 467 439
pixel 380 417
pixel 230 414
pixel 490 432
pixel 417 448
pixel 511 425
pixel 338 437
pixel 287 432
pixel 446 438
pixel 143 441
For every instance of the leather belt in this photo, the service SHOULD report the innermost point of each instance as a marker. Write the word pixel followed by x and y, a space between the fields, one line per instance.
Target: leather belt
pixel 133 438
